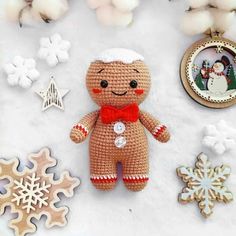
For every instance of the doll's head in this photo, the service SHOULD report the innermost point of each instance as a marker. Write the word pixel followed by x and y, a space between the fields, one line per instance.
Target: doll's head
pixel 118 77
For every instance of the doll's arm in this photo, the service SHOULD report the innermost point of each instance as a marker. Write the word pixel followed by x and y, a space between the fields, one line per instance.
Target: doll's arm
pixel 81 130
pixel 154 126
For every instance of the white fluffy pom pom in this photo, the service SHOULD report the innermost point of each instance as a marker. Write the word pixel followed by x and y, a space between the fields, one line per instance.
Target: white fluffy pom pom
pixel 196 22
pixel 222 19
pixel 227 5
pixel 93 4
pixel 108 15
pixel 13 8
pixel 53 9
pixel 198 3
pixel 125 5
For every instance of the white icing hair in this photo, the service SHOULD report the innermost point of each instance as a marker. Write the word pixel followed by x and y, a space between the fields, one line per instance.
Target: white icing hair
pixel 119 54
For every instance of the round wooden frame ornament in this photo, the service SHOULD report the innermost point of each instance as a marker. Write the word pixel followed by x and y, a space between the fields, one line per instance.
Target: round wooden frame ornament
pixel 208 71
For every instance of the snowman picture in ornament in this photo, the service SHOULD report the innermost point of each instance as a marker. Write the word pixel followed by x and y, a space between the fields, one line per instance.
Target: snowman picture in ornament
pixel 217 81
pixel 208 72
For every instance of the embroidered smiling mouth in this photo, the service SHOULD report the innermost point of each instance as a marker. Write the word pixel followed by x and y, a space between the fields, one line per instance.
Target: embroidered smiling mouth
pixel 119 94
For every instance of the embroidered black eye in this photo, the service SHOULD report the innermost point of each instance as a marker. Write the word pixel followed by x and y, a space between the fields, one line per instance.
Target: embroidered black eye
pixel 133 84
pixel 104 83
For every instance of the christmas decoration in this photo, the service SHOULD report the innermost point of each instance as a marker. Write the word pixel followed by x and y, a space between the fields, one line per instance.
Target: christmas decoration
pixel 26 10
pixel 204 15
pixel 54 50
pixel 21 72
pixel 114 12
pixel 52 96
pixel 220 137
pixel 118 81
pixel 204 184
pixel 34 192
pixel 214 84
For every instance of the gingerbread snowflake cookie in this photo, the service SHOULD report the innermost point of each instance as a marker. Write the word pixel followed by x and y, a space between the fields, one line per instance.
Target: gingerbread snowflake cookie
pixel 204 184
pixel 34 192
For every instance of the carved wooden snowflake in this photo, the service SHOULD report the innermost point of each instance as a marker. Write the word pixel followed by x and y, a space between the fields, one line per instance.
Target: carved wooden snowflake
pixel 204 184
pixel 33 192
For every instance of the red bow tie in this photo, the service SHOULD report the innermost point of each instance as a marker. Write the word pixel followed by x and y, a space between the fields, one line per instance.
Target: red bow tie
pixel 111 114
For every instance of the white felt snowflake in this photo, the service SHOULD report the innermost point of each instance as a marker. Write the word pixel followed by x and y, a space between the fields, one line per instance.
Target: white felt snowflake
pixel 33 192
pixel 21 72
pixel 220 137
pixel 54 50
pixel 204 184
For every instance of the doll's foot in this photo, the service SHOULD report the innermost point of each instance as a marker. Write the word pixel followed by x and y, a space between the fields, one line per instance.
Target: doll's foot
pixel 104 182
pixel 135 182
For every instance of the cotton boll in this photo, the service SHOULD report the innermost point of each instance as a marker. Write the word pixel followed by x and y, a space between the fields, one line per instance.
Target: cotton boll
pixel 222 19
pixel 13 8
pixel 197 3
pixel 125 5
pixel 105 15
pixel 93 4
pixel 109 15
pixel 227 5
pixel 196 22
pixel 53 9
pixel 122 18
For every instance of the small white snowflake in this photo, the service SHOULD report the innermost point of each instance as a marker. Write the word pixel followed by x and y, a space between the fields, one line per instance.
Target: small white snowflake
pixel 30 193
pixel 220 137
pixel 219 49
pixel 21 72
pixel 54 50
pixel 204 184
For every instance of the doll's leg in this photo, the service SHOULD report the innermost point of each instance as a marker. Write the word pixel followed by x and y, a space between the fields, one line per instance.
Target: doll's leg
pixel 103 170
pixel 135 171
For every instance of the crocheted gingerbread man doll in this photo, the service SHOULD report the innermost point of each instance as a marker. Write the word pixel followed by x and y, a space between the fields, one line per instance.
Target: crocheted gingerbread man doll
pixel 118 81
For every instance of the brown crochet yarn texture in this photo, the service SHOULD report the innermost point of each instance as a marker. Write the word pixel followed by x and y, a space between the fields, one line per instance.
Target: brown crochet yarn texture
pixel 119 141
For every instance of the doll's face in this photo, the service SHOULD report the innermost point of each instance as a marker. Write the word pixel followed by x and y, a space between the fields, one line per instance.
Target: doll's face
pixel 118 84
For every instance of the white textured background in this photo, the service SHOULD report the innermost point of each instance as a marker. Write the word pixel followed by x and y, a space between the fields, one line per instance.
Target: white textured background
pixel 25 129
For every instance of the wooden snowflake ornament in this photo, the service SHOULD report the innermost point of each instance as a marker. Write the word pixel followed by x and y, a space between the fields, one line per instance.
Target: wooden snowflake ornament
pixel 34 192
pixel 204 184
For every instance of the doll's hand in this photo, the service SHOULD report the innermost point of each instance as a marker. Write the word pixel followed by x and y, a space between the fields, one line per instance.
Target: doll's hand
pixel 78 133
pixel 161 133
